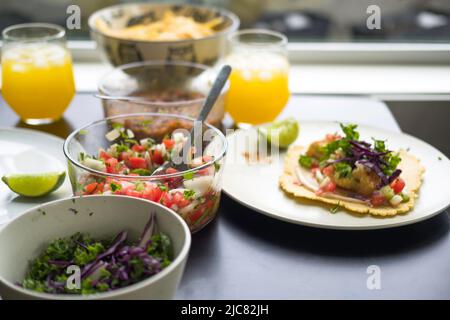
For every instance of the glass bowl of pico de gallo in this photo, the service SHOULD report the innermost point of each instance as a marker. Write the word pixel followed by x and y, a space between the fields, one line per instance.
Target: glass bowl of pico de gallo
pixel 117 156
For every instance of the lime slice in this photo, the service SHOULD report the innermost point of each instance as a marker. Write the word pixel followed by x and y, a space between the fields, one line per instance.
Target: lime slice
pixel 34 185
pixel 280 133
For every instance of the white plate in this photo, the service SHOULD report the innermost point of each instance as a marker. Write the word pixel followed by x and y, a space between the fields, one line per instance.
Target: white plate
pixel 256 185
pixel 28 151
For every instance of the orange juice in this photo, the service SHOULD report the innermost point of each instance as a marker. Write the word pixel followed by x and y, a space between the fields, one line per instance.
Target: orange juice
pixel 37 81
pixel 258 87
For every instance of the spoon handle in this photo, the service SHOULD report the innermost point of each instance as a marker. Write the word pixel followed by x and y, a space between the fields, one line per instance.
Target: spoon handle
pixel 214 93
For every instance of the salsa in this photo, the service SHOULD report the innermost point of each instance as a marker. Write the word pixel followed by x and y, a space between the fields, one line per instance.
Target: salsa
pixel 193 194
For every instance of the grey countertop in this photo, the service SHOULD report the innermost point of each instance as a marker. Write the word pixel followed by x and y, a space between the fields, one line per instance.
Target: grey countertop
pixel 246 255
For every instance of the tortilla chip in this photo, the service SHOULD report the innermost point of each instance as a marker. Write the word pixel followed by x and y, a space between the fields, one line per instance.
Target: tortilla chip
pixel 412 172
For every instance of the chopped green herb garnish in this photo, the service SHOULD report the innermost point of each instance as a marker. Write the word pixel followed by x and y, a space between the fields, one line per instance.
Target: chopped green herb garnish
pixel 141 172
pixel 379 145
pixel 188 194
pixel 188 175
pixel 305 161
pixel 350 131
pixel 115 186
pixel 117 126
pixel 392 160
pixel 146 122
pixel 122 148
pixel 162 187
pixel 131 141
pixel 343 169
pixel 335 208
pixel 82 132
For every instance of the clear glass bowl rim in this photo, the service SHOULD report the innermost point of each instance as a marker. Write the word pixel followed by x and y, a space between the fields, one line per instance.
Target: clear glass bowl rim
pixel 154 63
pixel 144 178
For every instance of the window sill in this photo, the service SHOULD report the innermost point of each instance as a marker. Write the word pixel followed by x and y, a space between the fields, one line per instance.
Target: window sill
pixel 401 81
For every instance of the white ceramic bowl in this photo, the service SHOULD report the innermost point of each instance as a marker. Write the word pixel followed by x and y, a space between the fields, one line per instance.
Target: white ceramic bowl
pixel 25 237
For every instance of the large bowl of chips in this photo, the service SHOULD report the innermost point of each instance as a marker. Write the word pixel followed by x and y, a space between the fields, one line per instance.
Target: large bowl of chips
pixel 172 32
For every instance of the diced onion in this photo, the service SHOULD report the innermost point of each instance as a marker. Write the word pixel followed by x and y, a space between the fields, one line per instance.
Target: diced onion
pixel 199 184
pixel 112 135
pixel 396 200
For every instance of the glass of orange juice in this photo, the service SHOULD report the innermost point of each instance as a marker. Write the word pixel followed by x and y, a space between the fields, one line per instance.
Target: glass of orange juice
pixel 259 81
pixel 37 76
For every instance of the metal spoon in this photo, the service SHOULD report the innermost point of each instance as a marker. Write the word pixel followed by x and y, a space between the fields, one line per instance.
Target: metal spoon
pixel 213 94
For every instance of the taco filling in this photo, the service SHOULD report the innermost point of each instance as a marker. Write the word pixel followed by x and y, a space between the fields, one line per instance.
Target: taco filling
pixel 344 168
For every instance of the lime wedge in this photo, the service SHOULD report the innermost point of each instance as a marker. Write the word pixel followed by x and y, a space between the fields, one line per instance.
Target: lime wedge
pixel 34 185
pixel 280 133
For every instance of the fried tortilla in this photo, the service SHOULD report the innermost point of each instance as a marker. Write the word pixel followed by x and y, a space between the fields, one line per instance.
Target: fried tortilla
pixel 412 173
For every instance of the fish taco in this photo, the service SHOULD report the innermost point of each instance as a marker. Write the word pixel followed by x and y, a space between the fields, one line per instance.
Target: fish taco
pixel 359 176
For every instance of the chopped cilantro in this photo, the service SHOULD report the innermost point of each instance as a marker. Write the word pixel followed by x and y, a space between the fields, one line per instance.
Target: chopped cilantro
pixel 336 208
pixel 188 194
pixel 379 145
pixel 305 161
pixel 141 172
pixel 188 175
pixel 115 186
pixel 350 131
pixel 122 148
pixel 343 169
pixel 162 187
pixel 392 160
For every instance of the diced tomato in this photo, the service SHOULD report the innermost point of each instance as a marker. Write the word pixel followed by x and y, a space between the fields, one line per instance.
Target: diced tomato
pixel 124 156
pixel 328 171
pixel 136 163
pixel 377 199
pixel 332 137
pixel 152 193
pixel 197 214
pixel 330 187
pixel 134 193
pixel 104 155
pixel 397 185
pixel 156 157
pixel 169 143
pixel 137 148
pixel 209 203
pixel 90 188
pixel 166 199
pixel 99 188
pixel 171 170
pixel 111 165
pixel 180 200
